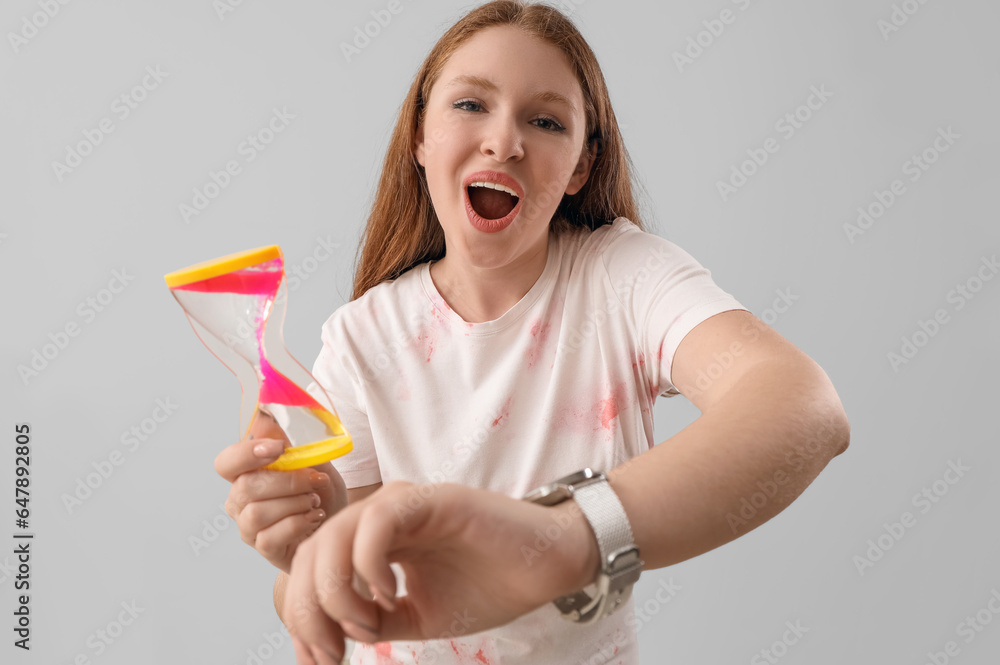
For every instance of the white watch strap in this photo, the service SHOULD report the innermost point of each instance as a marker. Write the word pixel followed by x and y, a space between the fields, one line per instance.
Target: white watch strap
pixel 620 562
pixel 606 515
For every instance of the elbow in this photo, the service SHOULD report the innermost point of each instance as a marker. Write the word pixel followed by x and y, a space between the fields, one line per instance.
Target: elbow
pixel 826 403
pixel 829 430
pixel 838 429
pixel 845 438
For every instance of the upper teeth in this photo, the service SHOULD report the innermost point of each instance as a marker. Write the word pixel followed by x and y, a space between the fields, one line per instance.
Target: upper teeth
pixel 494 185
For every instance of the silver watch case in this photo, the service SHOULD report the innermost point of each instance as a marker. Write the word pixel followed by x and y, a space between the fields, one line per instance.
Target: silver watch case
pixel 620 569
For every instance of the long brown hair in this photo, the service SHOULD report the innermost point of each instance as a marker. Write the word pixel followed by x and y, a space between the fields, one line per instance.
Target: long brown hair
pixel 403 230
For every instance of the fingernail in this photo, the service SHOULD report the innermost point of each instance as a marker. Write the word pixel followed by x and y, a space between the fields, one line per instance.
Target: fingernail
pixel 359 631
pixel 318 479
pixel 316 515
pixel 314 500
pixel 268 448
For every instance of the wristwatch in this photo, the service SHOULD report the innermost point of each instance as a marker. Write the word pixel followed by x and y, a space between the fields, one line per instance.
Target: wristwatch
pixel 620 562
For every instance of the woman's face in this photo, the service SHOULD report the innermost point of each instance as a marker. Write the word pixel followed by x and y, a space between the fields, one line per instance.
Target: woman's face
pixel 522 128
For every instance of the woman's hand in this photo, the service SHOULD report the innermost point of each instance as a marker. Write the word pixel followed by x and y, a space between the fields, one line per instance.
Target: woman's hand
pixel 276 510
pixel 473 560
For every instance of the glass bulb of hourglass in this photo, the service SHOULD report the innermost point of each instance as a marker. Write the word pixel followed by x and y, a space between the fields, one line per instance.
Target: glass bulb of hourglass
pixel 236 305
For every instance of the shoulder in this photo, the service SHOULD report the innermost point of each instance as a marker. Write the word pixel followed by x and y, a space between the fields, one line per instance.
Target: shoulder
pixel 378 309
pixel 583 244
pixel 626 248
pixel 620 230
pixel 617 246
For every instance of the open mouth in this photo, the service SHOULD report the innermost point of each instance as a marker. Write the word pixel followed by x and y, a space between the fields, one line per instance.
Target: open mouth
pixel 491 204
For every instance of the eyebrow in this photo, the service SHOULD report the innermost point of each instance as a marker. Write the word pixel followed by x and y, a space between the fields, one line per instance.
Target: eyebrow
pixel 485 83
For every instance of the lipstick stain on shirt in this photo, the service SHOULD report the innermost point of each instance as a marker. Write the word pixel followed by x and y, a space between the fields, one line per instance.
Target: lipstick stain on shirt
pixel 427 340
pixel 439 325
pixel 480 652
pixel 539 333
pixel 383 654
pixel 597 414
pixel 483 653
pixel 609 410
pixel 641 378
pixel 504 411
pixel 618 400
pixel 379 653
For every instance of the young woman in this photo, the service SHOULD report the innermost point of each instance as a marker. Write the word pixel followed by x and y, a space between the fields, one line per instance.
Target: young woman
pixel 512 323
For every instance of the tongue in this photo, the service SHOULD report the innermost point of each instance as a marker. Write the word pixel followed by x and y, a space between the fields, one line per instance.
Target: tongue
pixel 491 203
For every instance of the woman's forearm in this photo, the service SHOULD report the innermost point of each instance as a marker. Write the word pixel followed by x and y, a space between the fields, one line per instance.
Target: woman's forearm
pixel 736 466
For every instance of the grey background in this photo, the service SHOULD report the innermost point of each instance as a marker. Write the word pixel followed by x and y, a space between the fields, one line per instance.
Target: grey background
pixel 131 539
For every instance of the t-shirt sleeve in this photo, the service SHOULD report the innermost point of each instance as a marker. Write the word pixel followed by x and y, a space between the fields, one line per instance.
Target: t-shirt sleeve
pixel 665 292
pixel 336 372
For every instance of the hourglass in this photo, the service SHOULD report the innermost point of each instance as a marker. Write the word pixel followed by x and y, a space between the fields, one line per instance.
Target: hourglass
pixel 232 303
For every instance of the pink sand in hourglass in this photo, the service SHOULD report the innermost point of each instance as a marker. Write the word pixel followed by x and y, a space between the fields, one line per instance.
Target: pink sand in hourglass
pixel 275 388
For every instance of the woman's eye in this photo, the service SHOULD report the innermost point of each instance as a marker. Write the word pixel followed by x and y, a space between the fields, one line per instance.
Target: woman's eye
pixel 548 123
pixel 552 124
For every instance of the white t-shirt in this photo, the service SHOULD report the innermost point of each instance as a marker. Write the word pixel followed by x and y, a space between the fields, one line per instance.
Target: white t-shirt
pixel 564 380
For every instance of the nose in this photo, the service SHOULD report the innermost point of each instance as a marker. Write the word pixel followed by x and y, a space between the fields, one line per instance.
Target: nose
pixel 502 139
